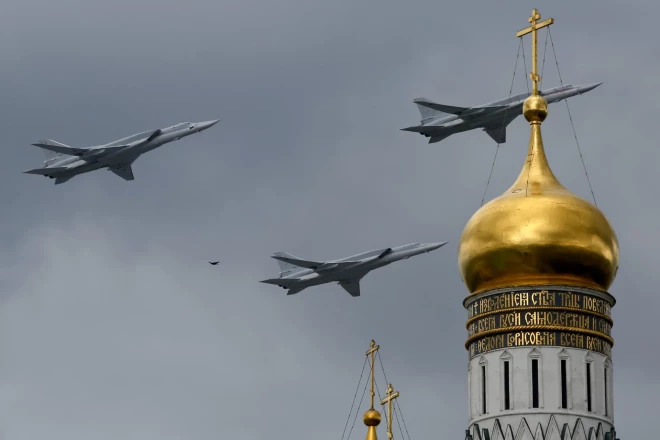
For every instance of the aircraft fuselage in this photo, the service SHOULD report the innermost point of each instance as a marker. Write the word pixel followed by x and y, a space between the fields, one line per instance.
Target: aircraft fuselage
pixel 513 106
pixel 132 147
pixel 438 124
pixel 364 263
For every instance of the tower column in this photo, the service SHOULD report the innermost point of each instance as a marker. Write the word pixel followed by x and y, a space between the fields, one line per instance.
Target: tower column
pixel 540 361
pixel 538 262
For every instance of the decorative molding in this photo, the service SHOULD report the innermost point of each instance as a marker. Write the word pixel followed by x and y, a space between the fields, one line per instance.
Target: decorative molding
pixel 539 315
pixel 599 293
pixel 551 432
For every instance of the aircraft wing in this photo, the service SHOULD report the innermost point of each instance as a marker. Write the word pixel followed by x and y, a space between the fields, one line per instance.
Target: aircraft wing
pixel 314 265
pixel 351 286
pixel 454 110
pixel 58 147
pixel 51 145
pixel 123 170
pixel 497 132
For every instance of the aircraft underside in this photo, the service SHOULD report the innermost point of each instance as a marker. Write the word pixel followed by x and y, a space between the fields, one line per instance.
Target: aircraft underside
pixel 122 169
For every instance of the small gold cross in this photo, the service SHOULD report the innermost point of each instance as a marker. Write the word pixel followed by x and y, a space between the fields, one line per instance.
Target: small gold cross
pixel 372 351
pixel 391 395
pixel 533 28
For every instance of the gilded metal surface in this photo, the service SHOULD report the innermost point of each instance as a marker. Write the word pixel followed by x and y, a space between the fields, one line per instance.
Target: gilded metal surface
pixel 391 395
pixel 534 319
pixel 548 338
pixel 537 232
pixel 527 328
pixel 575 298
pixel 542 308
pixel 533 28
pixel 372 417
pixel 372 351
pixel 470 300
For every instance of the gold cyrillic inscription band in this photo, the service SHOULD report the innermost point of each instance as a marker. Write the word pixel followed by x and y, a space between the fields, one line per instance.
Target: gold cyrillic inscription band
pixel 531 338
pixel 542 298
pixel 539 317
pixel 534 318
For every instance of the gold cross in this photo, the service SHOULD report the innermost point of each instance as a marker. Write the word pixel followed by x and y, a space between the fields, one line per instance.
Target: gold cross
pixel 391 395
pixel 533 28
pixel 372 351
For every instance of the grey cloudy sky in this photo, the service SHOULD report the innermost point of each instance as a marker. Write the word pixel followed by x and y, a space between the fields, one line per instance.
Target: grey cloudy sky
pixel 113 325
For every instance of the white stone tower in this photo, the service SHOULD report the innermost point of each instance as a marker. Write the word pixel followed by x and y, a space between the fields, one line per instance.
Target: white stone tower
pixel 538 261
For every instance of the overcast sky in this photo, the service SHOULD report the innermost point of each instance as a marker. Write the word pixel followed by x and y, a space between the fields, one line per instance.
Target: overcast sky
pixel 113 324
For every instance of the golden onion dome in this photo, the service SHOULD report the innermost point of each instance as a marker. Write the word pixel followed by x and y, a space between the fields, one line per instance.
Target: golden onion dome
pixel 538 232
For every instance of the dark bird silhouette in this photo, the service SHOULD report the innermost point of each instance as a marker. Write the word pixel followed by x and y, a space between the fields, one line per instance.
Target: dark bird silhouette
pixel 213 263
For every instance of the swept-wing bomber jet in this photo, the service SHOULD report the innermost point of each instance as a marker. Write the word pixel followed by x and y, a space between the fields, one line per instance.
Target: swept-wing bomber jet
pixel 439 121
pixel 297 274
pixel 117 156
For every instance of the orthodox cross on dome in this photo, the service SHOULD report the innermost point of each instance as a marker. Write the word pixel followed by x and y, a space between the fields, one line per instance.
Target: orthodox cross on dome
pixel 391 395
pixel 533 28
pixel 372 351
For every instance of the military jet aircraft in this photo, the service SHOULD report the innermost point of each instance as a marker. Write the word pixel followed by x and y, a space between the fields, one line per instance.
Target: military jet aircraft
pixel 297 274
pixel 439 121
pixel 117 156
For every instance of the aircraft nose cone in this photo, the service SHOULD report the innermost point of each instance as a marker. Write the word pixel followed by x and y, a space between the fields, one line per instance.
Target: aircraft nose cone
pixel 207 124
pixel 589 87
pixel 434 246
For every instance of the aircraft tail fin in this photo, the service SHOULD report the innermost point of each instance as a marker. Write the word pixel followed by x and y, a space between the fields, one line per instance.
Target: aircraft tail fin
pixel 284 283
pixel 439 108
pixel 45 171
pixel 59 180
pixel 437 137
pixel 417 128
pixel 294 262
pixel 286 267
pixel 58 147
pixel 294 290
pixel 49 143
pixel 427 112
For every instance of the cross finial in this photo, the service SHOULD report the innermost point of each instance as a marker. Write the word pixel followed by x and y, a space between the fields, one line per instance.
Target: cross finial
pixel 533 28
pixel 372 351
pixel 391 395
pixel 372 417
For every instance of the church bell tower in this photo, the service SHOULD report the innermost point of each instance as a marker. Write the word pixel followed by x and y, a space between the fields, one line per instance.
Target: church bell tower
pixel 538 262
